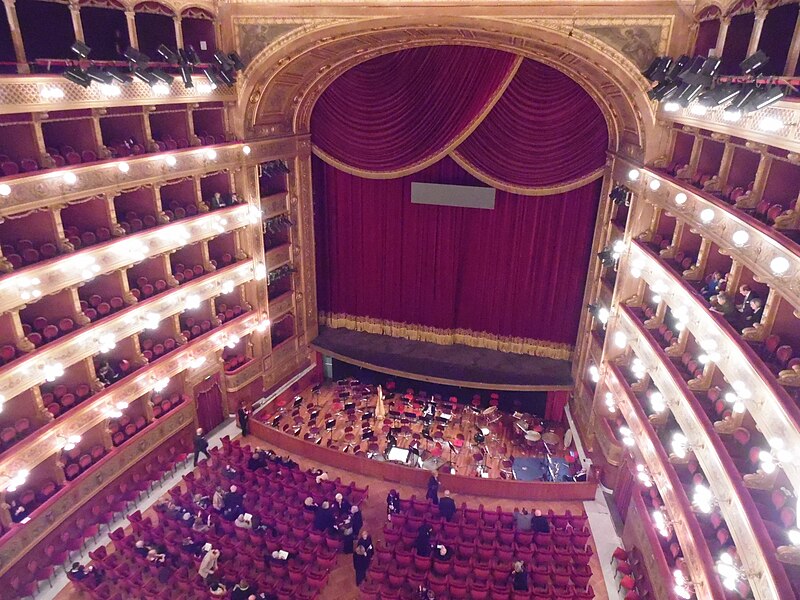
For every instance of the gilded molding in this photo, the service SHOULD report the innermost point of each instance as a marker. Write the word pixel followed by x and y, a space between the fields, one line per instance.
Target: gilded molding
pixel 448 337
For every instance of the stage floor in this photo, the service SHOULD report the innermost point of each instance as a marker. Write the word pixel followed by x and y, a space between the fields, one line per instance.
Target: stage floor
pixel 451 365
pixel 504 443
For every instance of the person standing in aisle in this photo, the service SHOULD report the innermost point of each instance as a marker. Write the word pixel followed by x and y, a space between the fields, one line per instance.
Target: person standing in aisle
pixel 200 445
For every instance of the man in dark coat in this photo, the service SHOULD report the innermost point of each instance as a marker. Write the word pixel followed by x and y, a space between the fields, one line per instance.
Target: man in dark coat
pixel 323 518
pixel 356 520
pixel 243 416
pixel 360 563
pixel 200 445
pixel 447 506
pixel 433 490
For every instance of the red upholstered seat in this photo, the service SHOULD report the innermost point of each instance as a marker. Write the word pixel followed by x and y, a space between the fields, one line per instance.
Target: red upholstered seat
pixel 50 333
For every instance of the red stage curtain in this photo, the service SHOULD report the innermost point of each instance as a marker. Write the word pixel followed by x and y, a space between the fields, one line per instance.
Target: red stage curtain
pixel 518 270
pixel 544 131
pixel 209 403
pixel 401 109
pixel 554 409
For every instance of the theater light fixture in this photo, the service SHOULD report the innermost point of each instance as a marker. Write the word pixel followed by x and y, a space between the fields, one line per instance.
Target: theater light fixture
pixel 681 198
pixel 753 64
pixel 136 57
pixel 770 124
pixel 644 476
pixel 150 320
pixel 123 167
pixel 70 178
pixel 5 190
pixel 680 445
pixel 260 271
pixel 211 154
pixel 196 362
pixel 779 265
pixel 657 402
pixel 81 49
pixel 160 89
pixel 170 160
pixel 611 403
pixel 106 342
pixel 684 588
pixel 50 92
pixel 594 373
pixel 777 456
pixel 661 522
pixel 78 76
pixel 263 324
pixel 192 302
pixel 633 174
pixel 160 384
pixel 110 90
pixel 638 369
pixel 626 436
pixel 28 287
pixel 246 150
pixel 703 499
pixel 17 480
pixel 736 404
pixel 707 215
pixel 620 339
pixel 654 184
pixel 729 571
pixel 68 443
pixel 227 286
pixel 52 371
pixel 740 237
pixel 168 55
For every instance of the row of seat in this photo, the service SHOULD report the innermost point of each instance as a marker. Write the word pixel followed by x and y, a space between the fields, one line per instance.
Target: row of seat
pixel 82 237
pixel 97 307
pixel 60 398
pixel 163 404
pixel 76 462
pixel 42 330
pixel 24 252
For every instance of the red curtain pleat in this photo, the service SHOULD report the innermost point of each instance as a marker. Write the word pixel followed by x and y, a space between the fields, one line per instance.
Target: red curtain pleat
pixel 544 131
pixel 394 111
pixel 209 403
pixel 517 270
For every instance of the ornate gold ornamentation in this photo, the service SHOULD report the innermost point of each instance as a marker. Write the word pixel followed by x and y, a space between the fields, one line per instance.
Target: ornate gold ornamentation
pixel 516 345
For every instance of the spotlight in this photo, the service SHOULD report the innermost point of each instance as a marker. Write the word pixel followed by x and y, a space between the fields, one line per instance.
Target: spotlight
pixel 663 90
pixel 238 65
pixel 146 76
pixel 191 55
pixel 691 68
pixel 212 74
pixel 118 75
pixel 709 70
pixel 741 101
pixel 99 75
pixel 186 76
pixel 81 49
pixel 657 71
pixel 228 77
pixel 77 75
pixel 766 97
pixel 133 55
pixel 719 95
pixel 678 66
pixel 224 62
pixel 752 65
pixel 169 56
pixel 161 75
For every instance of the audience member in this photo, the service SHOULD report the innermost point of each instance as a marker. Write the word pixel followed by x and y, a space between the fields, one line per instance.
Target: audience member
pixel 443 552
pixel 752 312
pixel 323 518
pixel 140 548
pixel 522 519
pixel 244 521
pixel 242 591
pixel 539 523
pixel 747 295
pixel 230 472
pixel 234 498
pixel 341 505
pixel 309 504
pixel 365 541
pixel 257 461
pixel 447 506
pixel 218 500
pixel 423 542
pixel 243 418
pixel 192 546
pixel 216 201
pixel 519 577
pixel 357 519
pixel 713 286
pixel 360 563
pixel 154 556
pixel 216 588
pixel 200 524
pixel 723 305
pixel 433 490
pixel 392 504
pixel 208 565
pixel 200 445
pixel 78 573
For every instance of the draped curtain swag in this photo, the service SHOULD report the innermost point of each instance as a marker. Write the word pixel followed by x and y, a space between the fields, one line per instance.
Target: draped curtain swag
pixel 515 124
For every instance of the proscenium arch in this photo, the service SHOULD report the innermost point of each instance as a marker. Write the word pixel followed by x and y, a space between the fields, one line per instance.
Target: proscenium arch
pixel 284 81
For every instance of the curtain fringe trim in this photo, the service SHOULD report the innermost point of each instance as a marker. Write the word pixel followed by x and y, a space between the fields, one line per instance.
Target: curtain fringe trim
pixel 447 337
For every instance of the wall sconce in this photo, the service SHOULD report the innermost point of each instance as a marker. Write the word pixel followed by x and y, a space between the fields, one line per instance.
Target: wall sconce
pixel 68 443
pixel 661 522
pixel 684 588
pixel 17 480
pixel 703 499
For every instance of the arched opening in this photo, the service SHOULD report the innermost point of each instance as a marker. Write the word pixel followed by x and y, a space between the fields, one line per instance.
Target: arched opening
pixel 197 25
pixel 707 30
pixel 154 26
pixel 105 29
pixel 60 33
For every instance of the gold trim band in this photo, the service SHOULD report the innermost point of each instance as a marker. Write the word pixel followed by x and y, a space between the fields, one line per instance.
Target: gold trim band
pixel 448 337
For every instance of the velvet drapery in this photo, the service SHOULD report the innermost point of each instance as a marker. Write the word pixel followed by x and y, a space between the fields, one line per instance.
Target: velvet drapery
pixel 515 124
pixel 518 270
pixel 209 403
pixel 401 110
pixel 544 132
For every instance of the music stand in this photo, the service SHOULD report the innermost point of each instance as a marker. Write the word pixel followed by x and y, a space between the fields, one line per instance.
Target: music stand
pixel 450 461
pixel 329 425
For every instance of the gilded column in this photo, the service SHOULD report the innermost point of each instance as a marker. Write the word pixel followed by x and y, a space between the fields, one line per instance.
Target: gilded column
pixel 16 36
pixel 723 33
pixel 755 35
pixel 133 39
pixel 178 31
pixel 77 25
pixel 794 50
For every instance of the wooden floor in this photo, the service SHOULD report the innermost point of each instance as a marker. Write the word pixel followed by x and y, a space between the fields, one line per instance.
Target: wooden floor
pixel 326 417
pixel 341 581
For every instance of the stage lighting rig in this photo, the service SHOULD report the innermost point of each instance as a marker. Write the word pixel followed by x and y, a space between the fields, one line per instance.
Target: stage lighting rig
pixel 81 49
pixel 753 64
pixel 168 55
pixel 77 75
pixel 137 58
